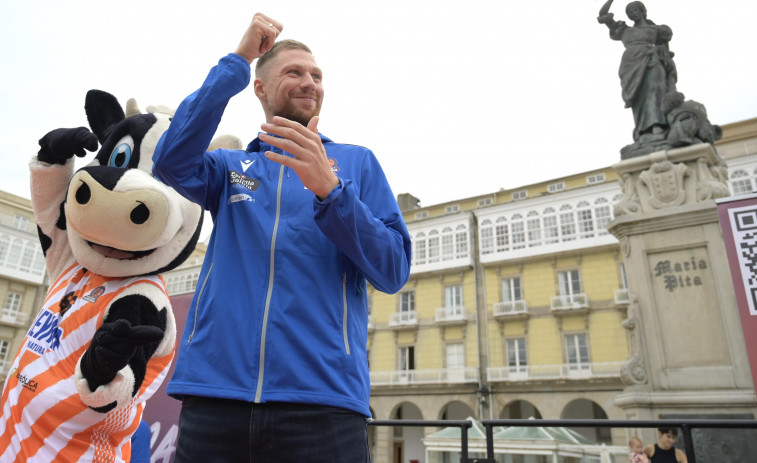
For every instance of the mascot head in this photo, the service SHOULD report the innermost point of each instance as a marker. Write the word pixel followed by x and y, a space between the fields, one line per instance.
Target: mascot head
pixel 120 220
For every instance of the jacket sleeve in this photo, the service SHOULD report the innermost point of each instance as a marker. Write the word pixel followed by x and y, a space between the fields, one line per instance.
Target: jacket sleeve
pixel 180 158
pixel 368 227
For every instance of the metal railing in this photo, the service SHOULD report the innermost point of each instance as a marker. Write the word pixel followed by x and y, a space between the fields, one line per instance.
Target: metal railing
pixel 519 307
pixel 556 371
pixel 406 318
pixel 685 426
pixel 429 376
pixel 450 314
pixel 569 302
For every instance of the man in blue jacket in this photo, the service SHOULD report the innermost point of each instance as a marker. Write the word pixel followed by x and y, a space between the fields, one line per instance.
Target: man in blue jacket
pixel 272 364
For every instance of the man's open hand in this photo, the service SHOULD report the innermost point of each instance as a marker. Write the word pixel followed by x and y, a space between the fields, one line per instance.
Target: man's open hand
pixel 310 162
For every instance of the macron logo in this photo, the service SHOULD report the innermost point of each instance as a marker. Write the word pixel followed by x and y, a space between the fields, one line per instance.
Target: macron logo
pixel 246 164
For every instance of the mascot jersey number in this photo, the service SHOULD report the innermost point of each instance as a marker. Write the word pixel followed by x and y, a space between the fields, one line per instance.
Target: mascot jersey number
pixel 105 337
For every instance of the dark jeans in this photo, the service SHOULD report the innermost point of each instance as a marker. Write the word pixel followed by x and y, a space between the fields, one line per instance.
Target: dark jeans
pixel 231 431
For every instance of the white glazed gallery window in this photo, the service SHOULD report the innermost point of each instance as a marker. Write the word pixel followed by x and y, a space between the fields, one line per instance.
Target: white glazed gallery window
pixel 12 305
pixel 20 223
pixel 741 182
pixel 487 237
pixel 5 347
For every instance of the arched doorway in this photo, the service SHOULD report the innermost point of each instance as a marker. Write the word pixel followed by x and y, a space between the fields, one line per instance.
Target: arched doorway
pixel 455 411
pixel 584 409
pixel 406 441
pixel 519 410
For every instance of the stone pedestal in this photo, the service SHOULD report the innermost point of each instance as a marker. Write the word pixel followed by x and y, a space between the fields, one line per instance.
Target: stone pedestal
pixel 688 351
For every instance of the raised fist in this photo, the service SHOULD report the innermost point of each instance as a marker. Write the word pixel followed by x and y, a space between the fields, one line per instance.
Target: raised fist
pixel 60 145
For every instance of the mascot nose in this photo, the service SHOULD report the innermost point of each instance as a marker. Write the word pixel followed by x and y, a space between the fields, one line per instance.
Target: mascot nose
pixel 129 220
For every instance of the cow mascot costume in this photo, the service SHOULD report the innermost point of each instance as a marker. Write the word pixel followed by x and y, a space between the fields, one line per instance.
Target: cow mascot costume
pixel 105 336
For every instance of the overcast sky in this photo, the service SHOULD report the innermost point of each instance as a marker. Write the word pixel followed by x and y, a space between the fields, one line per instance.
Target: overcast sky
pixel 456 99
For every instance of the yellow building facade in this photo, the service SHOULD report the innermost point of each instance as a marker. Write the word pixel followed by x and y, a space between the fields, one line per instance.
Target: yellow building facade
pixel 515 307
pixel 22 275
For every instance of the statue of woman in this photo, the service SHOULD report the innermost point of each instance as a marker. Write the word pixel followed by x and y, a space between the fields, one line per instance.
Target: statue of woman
pixel 647 71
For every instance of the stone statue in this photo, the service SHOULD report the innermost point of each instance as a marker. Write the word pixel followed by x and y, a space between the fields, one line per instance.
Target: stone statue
pixel 648 78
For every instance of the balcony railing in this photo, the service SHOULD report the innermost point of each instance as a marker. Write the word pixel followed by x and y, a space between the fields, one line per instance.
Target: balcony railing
pixel 622 297
pixel 434 376
pixel 558 371
pixel 451 314
pixel 407 318
pixel 18 319
pixel 506 308
pixel 569 302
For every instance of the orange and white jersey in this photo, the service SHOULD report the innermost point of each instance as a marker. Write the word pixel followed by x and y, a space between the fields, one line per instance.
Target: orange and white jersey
pixel 45 416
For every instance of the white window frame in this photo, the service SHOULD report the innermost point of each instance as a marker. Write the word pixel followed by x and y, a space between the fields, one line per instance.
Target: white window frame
pixel 519 195
pixel 12 304
pixel 517 355
pixel 454 355
pixel 555 187
pixel 5 347
pixel 569 282
pixel 406 301
pixel 485 202
pixel 596 178
pixel 577 352
pixel 512 289
pixel 406 358
pixel 20 222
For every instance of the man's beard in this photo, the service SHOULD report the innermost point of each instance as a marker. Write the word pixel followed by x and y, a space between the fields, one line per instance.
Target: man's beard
pixel 289 111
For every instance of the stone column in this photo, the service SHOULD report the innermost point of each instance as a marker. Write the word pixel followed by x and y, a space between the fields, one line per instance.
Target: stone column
pixel 688 356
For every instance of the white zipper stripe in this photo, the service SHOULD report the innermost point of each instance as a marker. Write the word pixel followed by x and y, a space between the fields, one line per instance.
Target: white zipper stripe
pixel 344 317
pixel 261 367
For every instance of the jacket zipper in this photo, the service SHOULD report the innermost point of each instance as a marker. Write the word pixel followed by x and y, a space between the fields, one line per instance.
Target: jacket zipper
pixel 344 317
pixel 197 303
pixel 264 330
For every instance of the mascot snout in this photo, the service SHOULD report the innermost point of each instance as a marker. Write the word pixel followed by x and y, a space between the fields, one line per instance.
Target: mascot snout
pixel 129 220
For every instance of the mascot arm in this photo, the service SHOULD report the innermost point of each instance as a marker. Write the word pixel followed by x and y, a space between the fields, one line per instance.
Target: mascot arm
pixel 51 172
pixel 138 328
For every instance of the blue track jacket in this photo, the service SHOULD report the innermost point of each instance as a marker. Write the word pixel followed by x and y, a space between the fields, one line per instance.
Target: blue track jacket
pixel 280 310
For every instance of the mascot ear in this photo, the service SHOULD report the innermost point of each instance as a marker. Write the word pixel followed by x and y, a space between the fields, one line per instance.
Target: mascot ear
pixel 103 113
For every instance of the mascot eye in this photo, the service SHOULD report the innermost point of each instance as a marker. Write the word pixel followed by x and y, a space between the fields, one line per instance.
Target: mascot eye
pixel 120 156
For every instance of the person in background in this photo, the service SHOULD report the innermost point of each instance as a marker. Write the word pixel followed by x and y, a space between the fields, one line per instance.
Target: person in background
pixel 272 365
pixel 663 451
pixel 637 451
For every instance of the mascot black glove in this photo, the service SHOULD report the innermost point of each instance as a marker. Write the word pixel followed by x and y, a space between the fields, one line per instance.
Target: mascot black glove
pixel 60 145
pixel 113 345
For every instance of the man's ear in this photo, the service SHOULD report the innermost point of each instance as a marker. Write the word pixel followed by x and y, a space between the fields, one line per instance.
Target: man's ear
pixel 259 88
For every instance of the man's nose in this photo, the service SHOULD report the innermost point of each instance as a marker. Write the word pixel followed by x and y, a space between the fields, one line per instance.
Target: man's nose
pixel 307 80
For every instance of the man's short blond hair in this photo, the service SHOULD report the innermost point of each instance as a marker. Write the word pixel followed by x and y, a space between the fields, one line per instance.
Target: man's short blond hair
pixel 287 44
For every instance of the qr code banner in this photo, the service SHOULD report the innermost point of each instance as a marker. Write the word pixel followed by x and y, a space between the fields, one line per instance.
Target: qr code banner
pixel 743 222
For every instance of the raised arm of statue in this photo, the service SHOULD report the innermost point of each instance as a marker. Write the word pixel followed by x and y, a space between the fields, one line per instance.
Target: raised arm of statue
pixel 604 12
